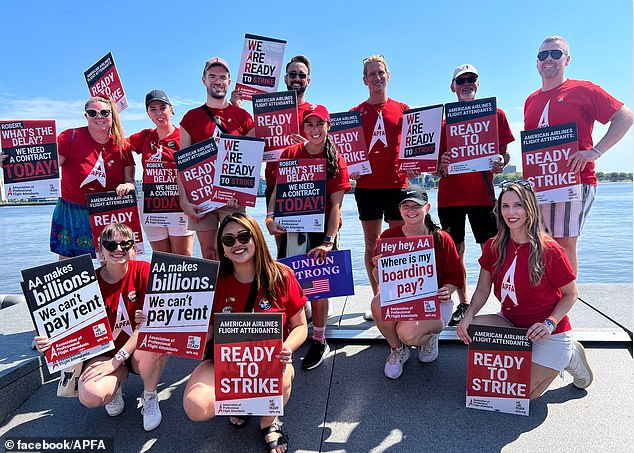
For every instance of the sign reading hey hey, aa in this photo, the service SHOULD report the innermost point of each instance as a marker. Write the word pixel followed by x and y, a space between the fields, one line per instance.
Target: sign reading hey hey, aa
pixel 103 79
pixel 407 279
pixel 178 305
pixel 247 373
pixel 545 154
pixel 161 205
pixel 31 169
pixel 499 369
pixel 420 139
pixel 238 170
pixel 196 166
pixel 260 66
pixel 276 120
pixel 347 133
pixel 300 196
pixel 320 279
pixel 472 135
pixel 107 207
pixel 66 306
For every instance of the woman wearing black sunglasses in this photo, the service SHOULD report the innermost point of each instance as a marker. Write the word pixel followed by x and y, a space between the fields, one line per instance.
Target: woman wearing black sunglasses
pixel 534 281
pixel 250 276
pixel 94 158
pixel 122 281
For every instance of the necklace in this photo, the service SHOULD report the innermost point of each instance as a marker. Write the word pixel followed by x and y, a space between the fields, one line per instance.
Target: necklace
pixel 516 249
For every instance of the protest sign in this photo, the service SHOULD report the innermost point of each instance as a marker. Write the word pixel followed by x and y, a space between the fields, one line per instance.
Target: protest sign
pixel 107 207
pixel 320 279
pixel 238 173
pixel 103 80
pixel 420 139
pixel 545 154
pixel 66 306
pixel 178 305
pixel 196 166
pixel 260 66
pixel 247 373
pixel 300 197
pixel 31 169
pixel 499 369
pixel 161 206
pixel 407 279
pixel 276 120
pixel 472 135
pixel 347 133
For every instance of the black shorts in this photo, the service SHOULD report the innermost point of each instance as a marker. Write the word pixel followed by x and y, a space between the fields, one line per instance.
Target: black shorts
pixel 308 240
pixel 481 219
pixel 377 204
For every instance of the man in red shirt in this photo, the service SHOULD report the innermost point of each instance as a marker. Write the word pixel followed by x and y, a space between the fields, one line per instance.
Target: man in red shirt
pixel 560 101
pixel 214 117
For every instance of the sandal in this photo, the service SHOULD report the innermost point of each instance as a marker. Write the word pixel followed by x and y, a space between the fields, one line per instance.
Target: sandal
pixel 282 440
pixel 243 418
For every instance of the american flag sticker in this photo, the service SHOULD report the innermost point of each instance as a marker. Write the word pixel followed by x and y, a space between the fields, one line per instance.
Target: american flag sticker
pixel 316 286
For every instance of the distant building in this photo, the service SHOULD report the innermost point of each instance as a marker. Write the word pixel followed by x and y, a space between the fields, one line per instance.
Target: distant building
pixel 509 169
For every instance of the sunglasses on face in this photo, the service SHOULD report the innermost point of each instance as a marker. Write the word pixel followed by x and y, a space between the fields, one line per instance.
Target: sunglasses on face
pixel 111 246
pixel 520 182
pixel 243 237
pixel 463 80
pixel 556 54
pixel 294 74
pixel 102 113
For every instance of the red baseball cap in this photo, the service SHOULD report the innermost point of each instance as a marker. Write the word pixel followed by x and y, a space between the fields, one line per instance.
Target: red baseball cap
pixel 317 110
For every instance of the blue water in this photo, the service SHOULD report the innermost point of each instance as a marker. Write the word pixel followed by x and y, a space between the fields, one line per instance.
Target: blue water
pixel 605 247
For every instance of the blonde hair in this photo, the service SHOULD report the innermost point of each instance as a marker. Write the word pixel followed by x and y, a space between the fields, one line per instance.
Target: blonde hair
pixel 372 59
pixel 554 38
pixel 117 129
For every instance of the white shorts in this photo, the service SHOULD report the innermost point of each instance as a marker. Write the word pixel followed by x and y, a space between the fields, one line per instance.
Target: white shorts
pixel 566 219
pixel 155 233
pixel 211 221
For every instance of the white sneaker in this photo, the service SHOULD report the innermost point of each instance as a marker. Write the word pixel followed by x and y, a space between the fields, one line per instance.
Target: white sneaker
pixel 579 367
pixel 395 361
pixel 151 411
pixel 429 351
pixel 116 406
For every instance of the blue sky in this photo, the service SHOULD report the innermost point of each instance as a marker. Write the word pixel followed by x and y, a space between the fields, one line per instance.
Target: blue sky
pixel 46 47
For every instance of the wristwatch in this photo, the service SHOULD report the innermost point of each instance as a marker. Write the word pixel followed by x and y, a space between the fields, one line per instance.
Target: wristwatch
pixel 329 240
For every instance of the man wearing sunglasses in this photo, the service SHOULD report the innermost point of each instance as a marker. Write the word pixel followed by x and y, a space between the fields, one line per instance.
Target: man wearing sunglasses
pixel 560 101
pixel 469 194
pixel 214 117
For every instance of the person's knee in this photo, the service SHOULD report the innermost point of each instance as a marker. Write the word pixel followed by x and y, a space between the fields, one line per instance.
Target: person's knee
pixel 197 408
pixel 89 399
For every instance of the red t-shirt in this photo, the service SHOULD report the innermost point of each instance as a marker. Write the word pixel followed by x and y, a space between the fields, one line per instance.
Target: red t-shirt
pixel 90 167
pixel 448 268
pixel 574 101
pixel 523 304
pixel 123 299
pixel 199 126
pixel 147 144
pixel 339 182
pixel 270 171
pixel 383 139
pixel 231 296
pixel 470 189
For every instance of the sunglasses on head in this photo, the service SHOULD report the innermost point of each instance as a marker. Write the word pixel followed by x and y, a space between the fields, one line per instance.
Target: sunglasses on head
pixel 295 74
pixel 463 80
pixel 520 182
pixel 555 53
pixel 103 113
pixel 243 237
pixel 111 246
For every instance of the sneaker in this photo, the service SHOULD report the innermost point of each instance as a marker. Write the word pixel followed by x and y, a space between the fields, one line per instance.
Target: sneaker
pixel 579 368
pixel 395 361
pixel 367 316
pixel 151 411
pixel 429 351
pixel 315 355
pixel 116 406
pixel 457 315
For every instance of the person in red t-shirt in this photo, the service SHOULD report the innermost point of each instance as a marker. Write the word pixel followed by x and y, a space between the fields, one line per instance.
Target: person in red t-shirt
pixel 122 282
pixel 159 144
pixel 377 194
pixel 561 101
pixel 214 117
pixel 247 261
pixel 534 281
pixel 469 194
pixel 316 124
pixel 414 207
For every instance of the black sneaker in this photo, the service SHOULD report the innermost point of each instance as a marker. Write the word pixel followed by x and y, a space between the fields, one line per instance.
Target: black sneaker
pixel 315 355
pixel 458 314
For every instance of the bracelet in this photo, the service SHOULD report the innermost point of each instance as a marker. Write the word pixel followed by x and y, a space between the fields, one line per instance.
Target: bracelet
pixel 270 214
pixel 442 172
pixel 119 357
pixel 553 319
pixel 549 325
pixel 599 153
pixel 124 354
pixel 269 220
